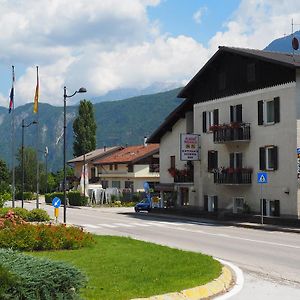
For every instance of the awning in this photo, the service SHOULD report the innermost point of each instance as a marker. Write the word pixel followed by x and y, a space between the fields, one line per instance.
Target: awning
pixel 164 187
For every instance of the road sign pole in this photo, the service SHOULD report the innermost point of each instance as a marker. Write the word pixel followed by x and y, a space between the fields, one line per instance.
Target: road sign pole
pixel 262 205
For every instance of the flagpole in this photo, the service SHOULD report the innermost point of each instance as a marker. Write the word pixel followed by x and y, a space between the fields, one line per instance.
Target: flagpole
pixel 36 110
pixel 13 138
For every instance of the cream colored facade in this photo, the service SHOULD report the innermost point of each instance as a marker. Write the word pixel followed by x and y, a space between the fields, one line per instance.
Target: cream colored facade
pixel 282 183
pixel 119 175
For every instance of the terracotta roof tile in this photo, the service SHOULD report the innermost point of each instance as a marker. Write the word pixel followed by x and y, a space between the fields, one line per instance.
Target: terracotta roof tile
pixel 129 154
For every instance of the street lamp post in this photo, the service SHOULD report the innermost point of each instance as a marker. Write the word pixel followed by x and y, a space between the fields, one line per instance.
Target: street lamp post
pixel 46 166
pixel 22 154
pixel 81 90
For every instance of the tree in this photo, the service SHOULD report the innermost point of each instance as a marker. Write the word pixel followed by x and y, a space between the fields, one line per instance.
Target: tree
pixel 84 128
pixel 4 176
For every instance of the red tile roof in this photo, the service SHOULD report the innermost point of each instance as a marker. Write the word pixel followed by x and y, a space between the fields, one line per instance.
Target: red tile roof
pixel 129 154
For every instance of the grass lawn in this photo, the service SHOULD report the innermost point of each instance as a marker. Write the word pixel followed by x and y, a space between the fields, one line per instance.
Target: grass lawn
pixel 123 268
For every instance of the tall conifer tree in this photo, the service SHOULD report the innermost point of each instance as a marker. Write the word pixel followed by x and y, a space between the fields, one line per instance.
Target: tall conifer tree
pixel 84 128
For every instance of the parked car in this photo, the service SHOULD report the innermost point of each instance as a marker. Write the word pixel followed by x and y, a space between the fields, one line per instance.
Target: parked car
pixel 144 205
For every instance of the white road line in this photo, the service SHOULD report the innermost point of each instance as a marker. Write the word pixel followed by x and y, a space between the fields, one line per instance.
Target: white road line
pixel 123 225
pixel 156 224
pixel 239 281
pixel 141 224
pixel 107 225
pixel 90 226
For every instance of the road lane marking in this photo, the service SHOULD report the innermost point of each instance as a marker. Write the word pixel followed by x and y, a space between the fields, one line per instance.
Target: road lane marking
pixel 123 225
pixel 107 225
pixel 90 226
pixel 141 224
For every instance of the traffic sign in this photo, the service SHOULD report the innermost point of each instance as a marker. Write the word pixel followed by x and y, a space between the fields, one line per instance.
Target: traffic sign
pixel 56 202
pixel 262 177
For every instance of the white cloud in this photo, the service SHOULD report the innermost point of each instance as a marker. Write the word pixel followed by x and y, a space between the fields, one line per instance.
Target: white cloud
pixel 109 44
pixel 199 14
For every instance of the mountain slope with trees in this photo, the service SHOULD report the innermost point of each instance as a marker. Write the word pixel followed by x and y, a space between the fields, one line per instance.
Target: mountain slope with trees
pixel 118 123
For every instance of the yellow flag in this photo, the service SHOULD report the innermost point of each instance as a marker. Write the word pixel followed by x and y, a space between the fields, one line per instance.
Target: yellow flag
pixel 36 96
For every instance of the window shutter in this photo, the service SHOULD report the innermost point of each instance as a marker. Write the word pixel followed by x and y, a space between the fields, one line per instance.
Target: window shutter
pixel 231 160
pixel 275 157
pixel 204 121
pixel 260 112
pixel 239 160
pixel 216 116
pixel 239 117
pixel 231 113
pixel 215 159
pixel 205 205
pixel 209 161
pixel 277 208
pixel 262 158
pixel 215 203
pixel 276 110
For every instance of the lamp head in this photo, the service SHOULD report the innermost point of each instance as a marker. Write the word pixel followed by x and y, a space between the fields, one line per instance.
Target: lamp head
pixel 82 90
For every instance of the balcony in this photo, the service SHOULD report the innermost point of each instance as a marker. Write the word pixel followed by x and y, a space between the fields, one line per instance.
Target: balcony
pixel 233 132
pixel 232 176
pixel 182 175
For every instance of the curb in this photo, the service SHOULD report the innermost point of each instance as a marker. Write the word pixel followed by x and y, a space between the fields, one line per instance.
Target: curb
pixel 216 287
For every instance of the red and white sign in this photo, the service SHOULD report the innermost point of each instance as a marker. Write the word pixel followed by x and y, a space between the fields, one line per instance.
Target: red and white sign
pixel 189 146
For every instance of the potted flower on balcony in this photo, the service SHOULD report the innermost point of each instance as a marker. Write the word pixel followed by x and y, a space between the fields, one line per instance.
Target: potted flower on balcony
pixel 172 171
pixel 214 127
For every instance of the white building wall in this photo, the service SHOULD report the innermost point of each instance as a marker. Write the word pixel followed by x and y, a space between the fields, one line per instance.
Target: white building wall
pixel 282 134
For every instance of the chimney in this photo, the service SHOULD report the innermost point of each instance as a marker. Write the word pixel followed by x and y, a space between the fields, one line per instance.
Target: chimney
pixel 104 148
pixel 145 141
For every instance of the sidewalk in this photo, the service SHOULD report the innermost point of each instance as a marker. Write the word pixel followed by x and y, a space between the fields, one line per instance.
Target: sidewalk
pixel 254 222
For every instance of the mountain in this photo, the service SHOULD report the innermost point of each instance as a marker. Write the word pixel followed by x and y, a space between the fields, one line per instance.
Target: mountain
pixel 284 44
pixel 123 93
pixel 118 123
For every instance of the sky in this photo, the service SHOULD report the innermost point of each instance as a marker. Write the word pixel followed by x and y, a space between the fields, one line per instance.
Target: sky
pixel 104 45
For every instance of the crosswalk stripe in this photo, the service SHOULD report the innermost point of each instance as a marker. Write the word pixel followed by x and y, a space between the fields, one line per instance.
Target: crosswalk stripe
pixel 141 224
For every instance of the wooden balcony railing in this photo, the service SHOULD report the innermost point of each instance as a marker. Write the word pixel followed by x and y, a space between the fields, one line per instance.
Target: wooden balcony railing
pixel 231 132
pixel 233 176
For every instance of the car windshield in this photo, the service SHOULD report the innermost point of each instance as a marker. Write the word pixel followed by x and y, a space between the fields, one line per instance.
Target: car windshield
pixel 145 200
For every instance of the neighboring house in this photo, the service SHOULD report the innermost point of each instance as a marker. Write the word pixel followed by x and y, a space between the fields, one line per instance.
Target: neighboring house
pixel 89 158
pixel 245 105
pixel 127 169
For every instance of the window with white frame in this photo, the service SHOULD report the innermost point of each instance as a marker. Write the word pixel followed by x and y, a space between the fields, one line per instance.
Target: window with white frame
pixel 268 158
pixel 238 204
pixel 209 119
pixel 269 111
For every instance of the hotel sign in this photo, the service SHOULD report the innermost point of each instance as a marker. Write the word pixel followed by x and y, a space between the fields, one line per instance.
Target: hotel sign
pixel 189 146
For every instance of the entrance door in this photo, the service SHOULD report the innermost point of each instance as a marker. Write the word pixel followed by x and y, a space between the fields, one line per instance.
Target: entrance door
pixel 184 196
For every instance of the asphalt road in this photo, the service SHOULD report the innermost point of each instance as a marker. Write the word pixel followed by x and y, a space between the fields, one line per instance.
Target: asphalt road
pixel 270 260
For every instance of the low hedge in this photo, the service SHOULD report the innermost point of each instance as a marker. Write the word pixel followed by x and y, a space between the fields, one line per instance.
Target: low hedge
pixel 26 195
pixel 74 197
pixel 31 278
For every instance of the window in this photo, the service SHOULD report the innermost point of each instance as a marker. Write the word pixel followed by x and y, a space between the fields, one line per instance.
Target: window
pixel 238 205
pixel 110 167
pixel 172 162
pixel 116 184
pixel 270 207
pixel 130 168
pixel 210 203
pixel 129 185
pixel 268 158
pixel 104 184
pixel 236 113
pixel 212 161
pixel 210 118
pixel 116 167
pixel 236 160
pixel 268 111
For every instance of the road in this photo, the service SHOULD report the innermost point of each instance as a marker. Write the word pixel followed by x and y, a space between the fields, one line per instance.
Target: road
pixel 269 260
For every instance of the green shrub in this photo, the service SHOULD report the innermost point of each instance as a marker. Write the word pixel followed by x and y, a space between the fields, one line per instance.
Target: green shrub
pixel 40 278
pixel 29 237
pixel 26 195
pixel 76 199
pixel 50 197
pixel 5 196
pixel 7 282
pixel 37 215
pixel 21 212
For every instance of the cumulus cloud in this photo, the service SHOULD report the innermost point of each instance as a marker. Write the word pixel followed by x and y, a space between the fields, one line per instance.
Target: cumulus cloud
pixel 109 44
